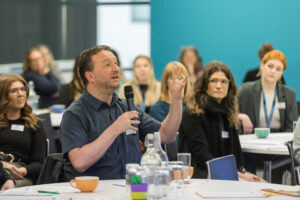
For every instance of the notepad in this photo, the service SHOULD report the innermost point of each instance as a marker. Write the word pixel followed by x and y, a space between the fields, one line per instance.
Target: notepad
pixel 230 195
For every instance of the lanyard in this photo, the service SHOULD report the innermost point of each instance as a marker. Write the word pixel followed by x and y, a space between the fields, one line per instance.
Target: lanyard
pixel 269 119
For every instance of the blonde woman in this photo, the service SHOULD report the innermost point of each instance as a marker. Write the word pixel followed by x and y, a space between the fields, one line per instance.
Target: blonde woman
pixel 46 84
pixel 49 60
pixel 160 109
pixel 146 88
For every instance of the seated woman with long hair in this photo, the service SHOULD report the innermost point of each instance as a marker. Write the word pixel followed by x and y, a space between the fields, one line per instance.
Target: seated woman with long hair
pixel 46 84
pixel 71 91
pixel 22 137
pixel 267 102
pixel 160 109
pixel 210 124
pixel 145 87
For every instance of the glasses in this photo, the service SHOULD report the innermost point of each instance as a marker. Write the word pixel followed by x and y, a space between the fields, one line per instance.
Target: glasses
pixel 216 81
pixel 15 91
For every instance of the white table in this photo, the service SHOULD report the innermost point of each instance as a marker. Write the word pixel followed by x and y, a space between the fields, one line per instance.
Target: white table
pixel 55 117
pixel 108 191
pixel 274 144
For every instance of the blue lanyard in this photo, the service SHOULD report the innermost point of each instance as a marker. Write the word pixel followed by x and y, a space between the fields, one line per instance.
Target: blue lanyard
pixel 269 119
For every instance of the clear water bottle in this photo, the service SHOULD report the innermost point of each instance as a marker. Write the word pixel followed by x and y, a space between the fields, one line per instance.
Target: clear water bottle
pixel 157 145
pixel 151 156
pixel 33 98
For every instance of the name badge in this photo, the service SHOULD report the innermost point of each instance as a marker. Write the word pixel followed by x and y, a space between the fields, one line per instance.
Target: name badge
pixel 129 132
pixel 17 127
pixel 225 134
pixel 280 105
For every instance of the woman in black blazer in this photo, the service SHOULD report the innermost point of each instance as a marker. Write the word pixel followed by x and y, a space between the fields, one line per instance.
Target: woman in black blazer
pixel 280 107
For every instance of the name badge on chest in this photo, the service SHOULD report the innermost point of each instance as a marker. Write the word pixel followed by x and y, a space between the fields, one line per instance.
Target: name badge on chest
pixel 280 105
pixel 17 127
pixel 225 134
pixel 130 131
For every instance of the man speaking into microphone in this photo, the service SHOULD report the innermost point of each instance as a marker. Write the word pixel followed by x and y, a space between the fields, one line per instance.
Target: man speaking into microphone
pixel 99 133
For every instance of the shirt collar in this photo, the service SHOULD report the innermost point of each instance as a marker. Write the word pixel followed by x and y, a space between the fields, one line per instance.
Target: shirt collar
pixel 96 103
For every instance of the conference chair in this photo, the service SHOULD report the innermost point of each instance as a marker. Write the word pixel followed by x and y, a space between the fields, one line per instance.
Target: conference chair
pixel 294 175
pixel 222 168
pixel 46 120
pixel 52 170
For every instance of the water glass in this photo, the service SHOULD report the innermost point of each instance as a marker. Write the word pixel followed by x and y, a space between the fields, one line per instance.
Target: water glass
pixel 186 160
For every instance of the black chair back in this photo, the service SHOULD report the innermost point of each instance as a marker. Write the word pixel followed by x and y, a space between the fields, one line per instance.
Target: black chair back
pixel 289 145
pixel 52 170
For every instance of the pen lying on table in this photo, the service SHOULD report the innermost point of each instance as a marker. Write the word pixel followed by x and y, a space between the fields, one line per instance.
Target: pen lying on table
pixel 47 192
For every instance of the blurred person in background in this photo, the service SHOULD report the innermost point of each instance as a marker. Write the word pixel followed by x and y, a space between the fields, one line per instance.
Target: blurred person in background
pixel 49 60
pixel 252 75
pixel 22 136
pixel 46 84
pixel 160 109
pixel 145 87
pixel 191 59
pixel 71 91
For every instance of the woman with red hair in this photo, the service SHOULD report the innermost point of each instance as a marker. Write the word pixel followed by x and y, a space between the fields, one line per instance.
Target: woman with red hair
pixel 267 103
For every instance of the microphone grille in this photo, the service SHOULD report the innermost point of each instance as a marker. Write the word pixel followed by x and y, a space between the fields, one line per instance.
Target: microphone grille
pixel 128 91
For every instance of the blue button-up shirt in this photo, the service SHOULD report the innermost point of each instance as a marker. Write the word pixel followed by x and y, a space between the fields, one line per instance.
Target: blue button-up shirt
pixel 86 119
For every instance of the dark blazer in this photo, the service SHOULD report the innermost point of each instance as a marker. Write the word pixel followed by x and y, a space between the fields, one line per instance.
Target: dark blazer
pixel 249 103
pixel 200 135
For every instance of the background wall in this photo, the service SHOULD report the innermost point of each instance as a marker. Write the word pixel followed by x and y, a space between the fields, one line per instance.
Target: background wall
pixel 230 31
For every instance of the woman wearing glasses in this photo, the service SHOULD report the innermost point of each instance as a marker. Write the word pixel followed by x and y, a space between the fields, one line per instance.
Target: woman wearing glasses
pixel 22 137
pixel 210 124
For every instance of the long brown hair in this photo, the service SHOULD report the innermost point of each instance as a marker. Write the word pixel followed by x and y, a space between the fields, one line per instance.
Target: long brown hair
pixel 6 81
pixel 198 65
pixel 76 85
pixel 200 98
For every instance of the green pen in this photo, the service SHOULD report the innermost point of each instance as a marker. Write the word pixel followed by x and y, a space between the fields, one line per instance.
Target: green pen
pixel 47 192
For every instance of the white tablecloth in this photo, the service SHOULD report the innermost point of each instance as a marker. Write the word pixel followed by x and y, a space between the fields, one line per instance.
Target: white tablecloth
pixel 108 191
pixel 273 144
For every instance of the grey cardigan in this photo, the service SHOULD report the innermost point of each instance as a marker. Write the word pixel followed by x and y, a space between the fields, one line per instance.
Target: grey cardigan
pixel 249 103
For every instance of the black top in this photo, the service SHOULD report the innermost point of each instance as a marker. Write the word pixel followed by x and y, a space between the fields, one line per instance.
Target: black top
pixel 27 145
pixel 65 97
pixel 201 135
pixel 3 175
pixel 45 86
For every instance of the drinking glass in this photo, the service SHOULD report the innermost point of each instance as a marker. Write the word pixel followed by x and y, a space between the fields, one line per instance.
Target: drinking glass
pixel 186 160
pixel 176 186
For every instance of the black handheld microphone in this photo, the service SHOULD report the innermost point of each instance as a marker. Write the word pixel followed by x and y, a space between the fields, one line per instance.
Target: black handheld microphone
pixel 129 97
pixel 130 103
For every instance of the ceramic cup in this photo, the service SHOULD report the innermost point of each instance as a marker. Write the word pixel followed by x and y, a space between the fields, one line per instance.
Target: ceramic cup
pixel 58 108
pixel 85 183
pixel 262 132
